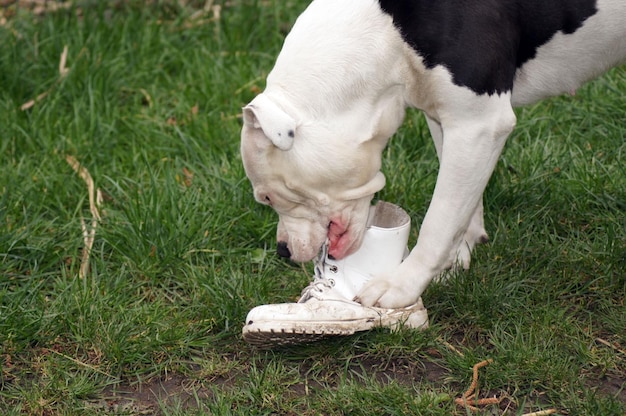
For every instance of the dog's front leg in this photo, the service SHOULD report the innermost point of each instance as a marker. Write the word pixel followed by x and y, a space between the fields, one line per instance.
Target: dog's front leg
pixel 476 233
pixel 474 132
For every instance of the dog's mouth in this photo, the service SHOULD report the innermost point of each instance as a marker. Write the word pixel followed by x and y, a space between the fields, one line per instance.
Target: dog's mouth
pixel 340 243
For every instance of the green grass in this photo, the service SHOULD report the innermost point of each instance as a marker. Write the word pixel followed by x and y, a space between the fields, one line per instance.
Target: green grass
pixel 151 108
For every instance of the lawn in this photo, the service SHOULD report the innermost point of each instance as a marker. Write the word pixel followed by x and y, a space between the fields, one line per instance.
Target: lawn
pixel 131 248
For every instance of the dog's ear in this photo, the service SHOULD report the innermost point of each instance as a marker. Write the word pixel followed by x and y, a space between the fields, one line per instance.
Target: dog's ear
pixel 277 125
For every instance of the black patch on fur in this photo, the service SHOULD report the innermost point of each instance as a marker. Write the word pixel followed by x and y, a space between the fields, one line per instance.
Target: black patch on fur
pixel 483 42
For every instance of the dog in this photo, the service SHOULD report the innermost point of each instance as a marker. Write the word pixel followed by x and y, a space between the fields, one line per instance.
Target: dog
pixel 312 141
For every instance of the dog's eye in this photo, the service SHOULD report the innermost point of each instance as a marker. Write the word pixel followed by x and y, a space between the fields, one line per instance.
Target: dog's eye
pixel 268 199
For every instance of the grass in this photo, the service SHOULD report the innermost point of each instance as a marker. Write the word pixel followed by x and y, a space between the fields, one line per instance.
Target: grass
pixel 150 107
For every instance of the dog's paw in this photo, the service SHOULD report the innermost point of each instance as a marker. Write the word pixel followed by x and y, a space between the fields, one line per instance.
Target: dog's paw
pixel 383 292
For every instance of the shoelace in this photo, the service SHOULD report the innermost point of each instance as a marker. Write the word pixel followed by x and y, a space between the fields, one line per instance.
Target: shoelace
pixel 320 283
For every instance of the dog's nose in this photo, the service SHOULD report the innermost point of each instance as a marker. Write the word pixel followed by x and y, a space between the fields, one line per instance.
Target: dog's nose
pixel 283 250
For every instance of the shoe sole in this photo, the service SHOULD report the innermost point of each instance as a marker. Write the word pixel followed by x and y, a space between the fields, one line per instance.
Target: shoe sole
pixel 272 334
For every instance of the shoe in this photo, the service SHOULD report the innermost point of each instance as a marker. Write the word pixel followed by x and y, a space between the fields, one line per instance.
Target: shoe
pixel 326 308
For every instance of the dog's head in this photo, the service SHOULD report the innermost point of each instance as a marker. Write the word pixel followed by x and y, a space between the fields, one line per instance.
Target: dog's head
pixel 320 177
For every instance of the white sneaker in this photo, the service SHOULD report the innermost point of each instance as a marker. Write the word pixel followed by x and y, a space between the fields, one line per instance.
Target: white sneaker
pixel 326 308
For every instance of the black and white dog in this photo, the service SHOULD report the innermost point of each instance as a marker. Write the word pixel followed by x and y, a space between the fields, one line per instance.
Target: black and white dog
pixel 312 141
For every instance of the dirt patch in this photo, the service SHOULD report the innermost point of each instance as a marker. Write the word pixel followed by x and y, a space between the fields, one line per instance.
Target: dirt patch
pixel 401 370
pixel 609 385
pixel 149 397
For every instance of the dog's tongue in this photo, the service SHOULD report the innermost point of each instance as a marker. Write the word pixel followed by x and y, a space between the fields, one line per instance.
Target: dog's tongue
pixel 337 245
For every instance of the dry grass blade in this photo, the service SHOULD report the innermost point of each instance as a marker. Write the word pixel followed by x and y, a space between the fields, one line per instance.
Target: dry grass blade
pixel 95 199
pixel 29 104
pixel 201 16
pixel 450 347
pixel 40 7
pixel 63 71
pixel 95 196
pixel 608 344
pixel 541 413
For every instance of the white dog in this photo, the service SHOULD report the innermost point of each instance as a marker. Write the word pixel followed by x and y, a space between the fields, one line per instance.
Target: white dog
pixel 312 141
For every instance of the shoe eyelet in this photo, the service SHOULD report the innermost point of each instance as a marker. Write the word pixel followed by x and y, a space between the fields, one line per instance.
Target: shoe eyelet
pixel 333 269
pixel 332 282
